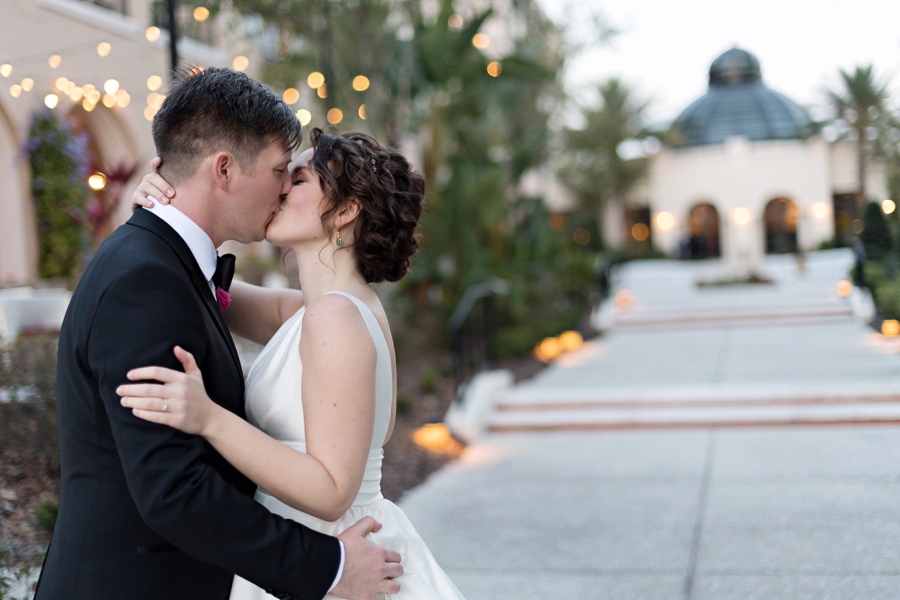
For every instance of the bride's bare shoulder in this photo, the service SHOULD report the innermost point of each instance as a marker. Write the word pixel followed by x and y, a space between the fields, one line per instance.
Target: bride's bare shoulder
pixel 334 320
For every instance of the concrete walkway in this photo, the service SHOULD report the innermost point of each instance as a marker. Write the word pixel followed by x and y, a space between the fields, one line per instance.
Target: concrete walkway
pixel 697 512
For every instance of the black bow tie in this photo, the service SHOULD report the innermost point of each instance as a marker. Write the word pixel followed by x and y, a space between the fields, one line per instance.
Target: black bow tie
pixel 224 271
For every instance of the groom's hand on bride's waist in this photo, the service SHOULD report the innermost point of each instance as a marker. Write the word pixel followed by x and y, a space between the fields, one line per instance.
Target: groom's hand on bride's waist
pixel 368 569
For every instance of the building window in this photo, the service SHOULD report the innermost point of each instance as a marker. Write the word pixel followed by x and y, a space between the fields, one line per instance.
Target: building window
pixel 120 6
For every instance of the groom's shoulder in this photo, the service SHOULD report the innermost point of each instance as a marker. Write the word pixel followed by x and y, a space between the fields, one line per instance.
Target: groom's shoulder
pixel 132 252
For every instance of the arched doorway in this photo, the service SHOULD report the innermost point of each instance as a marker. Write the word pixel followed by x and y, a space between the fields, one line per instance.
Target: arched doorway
pixel 703 222
pixel 781 226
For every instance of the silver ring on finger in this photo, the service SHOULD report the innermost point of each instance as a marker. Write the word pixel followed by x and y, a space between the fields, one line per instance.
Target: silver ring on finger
pixel 165 406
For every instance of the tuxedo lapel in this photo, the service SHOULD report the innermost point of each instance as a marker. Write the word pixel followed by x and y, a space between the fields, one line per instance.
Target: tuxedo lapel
pixel 147 220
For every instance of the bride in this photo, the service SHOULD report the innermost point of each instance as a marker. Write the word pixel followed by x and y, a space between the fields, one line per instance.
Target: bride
pixel 321 395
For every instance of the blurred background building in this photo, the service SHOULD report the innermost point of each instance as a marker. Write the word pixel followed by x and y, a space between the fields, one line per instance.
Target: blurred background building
pixel 101 66
pixel 744 172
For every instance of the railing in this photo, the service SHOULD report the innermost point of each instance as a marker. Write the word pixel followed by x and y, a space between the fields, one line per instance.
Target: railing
pixel 120 6
pixel 473 334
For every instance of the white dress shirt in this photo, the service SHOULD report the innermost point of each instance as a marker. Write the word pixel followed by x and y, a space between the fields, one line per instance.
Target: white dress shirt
pixel 204 251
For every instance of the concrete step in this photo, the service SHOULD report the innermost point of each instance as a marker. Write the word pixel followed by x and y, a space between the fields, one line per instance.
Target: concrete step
pixel 885 410
pixel 536 408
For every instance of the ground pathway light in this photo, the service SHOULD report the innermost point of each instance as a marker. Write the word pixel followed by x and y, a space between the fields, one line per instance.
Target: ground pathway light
pixel 890 328
pixel 436 438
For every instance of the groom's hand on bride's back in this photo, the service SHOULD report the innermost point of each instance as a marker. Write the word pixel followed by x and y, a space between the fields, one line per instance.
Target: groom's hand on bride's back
pixel 368 569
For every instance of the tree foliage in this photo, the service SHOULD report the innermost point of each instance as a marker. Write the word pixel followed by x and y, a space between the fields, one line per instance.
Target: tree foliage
pixel 593 167
pixel 59 161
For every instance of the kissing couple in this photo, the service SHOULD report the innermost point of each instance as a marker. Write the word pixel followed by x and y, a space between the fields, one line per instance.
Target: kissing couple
pixel 180 481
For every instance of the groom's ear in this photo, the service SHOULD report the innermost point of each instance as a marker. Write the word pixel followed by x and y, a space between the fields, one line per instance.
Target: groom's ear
pixel 224 169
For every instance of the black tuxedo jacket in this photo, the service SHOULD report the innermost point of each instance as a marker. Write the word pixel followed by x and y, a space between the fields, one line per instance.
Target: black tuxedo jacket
pixel 146 511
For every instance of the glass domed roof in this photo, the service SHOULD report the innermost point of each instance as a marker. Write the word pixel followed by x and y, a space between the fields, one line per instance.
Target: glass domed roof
pixel 738 103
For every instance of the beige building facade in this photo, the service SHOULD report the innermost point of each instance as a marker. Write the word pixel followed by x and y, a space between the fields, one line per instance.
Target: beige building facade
pixel 94 42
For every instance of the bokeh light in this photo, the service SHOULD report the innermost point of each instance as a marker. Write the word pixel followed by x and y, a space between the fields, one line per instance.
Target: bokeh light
pixel 360 83
pixel 315 80
pixel 335 116
pixel 305 116
pixel 291 96
pixel 741 216
pixel 665 220
pixel 103 49
pixel 640 232
pixel 154 82
pixel 240 63
pixel 152 34
pixel 97 181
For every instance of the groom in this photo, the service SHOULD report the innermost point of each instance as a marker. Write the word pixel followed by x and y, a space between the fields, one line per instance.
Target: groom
pixel 148 512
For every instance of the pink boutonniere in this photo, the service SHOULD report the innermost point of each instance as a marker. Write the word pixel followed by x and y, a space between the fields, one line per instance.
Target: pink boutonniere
pixel 224 298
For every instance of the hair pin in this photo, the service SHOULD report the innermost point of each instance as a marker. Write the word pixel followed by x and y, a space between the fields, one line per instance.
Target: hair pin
pixel 372 160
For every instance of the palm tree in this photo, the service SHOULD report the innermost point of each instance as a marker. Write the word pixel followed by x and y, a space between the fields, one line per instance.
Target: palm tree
pixel 860 102
pixel 593 168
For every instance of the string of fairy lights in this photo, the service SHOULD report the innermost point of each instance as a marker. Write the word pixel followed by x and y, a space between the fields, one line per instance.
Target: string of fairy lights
pixel 112 94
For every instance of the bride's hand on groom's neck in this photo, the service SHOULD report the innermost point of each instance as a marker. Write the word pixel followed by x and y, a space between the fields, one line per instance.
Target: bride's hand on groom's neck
pixel 153 188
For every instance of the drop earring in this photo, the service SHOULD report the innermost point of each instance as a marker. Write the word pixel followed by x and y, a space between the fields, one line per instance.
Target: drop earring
pixel 338 240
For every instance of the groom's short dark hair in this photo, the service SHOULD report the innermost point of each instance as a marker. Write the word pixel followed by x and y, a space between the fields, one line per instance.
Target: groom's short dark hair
pixel 212 110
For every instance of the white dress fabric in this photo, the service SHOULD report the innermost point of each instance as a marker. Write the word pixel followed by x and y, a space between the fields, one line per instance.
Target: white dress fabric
pixel 274 405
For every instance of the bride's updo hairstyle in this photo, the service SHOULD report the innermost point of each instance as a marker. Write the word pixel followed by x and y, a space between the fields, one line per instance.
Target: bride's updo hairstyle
pixel 390 192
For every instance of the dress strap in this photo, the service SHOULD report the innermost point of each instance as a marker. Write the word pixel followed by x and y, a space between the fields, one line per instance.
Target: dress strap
pixel 384 380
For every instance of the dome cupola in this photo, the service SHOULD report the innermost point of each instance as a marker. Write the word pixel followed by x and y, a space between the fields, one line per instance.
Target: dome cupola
pixel 738 103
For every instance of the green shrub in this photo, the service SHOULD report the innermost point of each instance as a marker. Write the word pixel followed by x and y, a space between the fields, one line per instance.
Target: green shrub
pixel 59 161
pixel 46 514
pixel 429 382
pixel 404 404
pixel 876 235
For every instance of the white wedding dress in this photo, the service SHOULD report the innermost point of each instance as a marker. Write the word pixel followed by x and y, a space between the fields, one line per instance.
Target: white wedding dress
pixel 274 405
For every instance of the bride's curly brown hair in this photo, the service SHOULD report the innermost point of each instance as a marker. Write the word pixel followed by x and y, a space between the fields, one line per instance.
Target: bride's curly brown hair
pixel 389 190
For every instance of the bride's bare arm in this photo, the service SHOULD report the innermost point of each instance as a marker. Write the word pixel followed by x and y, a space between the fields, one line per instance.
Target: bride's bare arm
pixel 255 313
pixel 338 395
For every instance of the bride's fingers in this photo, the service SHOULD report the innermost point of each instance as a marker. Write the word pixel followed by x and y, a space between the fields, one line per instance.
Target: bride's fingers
pixel 148 404
pixel 389 586
pixel 157 373
pixel 144 390
pixel 187 361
